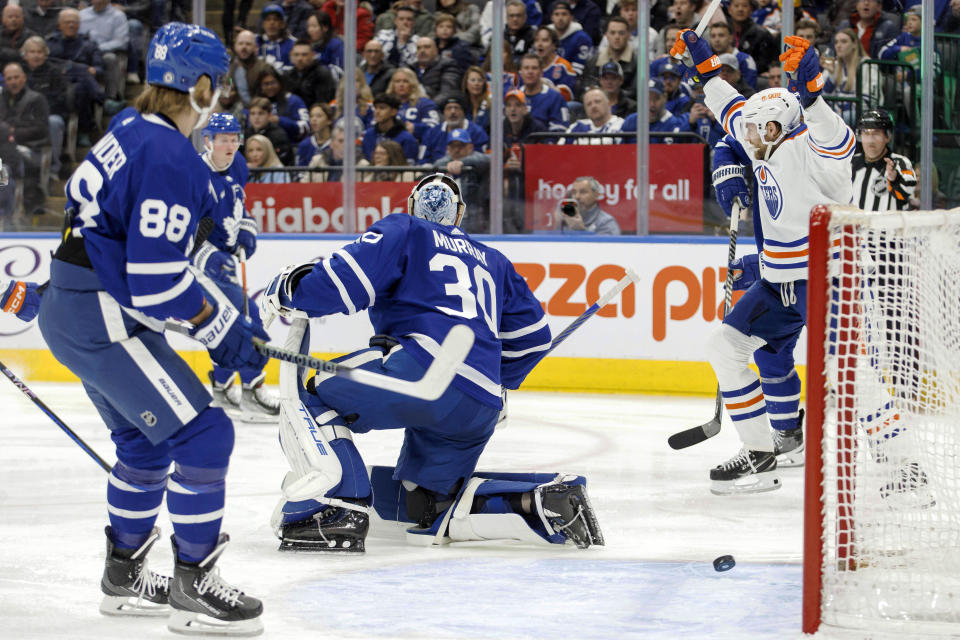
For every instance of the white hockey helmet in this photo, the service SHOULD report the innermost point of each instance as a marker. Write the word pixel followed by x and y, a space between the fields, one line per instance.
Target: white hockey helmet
pixel 773 105
pixel 437 198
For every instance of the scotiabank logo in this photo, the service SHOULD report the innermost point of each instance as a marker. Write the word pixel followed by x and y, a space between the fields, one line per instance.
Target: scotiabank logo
pixel 696 293
pixel 598 281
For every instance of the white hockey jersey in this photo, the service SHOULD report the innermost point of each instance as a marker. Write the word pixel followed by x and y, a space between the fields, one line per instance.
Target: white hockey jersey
pixel 810 167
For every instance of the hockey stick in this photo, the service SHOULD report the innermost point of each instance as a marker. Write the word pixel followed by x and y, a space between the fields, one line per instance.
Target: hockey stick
pixel 702 25
pixel 431 386
pixel 242 256
pixel 43 407
pixel 696 435
pixel 624 282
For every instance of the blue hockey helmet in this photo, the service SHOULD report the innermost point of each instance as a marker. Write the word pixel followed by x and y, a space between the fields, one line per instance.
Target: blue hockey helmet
pixel 222 123
pixel 180 53
pixel 437 198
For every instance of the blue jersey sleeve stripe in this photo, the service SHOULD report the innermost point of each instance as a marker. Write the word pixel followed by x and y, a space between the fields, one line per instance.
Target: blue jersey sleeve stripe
pixel 153 299
pixel 520 354
pixel 507 335
pixel 361 276
pixel 155 268
pixel 351 308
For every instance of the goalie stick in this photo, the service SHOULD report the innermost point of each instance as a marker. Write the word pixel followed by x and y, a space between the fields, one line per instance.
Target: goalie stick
pixel 696 435
pixel 50 414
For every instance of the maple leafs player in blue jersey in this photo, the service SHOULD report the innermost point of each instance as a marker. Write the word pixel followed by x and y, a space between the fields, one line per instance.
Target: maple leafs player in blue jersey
pixel 418 275
pixel 232 239
pixel 799 150
pixel 120 271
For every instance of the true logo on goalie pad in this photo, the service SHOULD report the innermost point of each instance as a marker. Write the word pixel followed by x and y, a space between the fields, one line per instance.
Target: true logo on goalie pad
pixel 770 191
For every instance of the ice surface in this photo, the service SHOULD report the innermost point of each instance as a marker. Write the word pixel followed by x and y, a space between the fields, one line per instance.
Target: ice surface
pixel 654 579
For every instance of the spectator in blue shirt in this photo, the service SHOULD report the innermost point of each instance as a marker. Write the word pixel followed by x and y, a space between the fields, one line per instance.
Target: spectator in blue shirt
pixel 434 142
pixel 274 42
pixel 661 120
pixel 545 103
pixel 575 44
pixel 386 124
pixel 289 111
pixel 677 94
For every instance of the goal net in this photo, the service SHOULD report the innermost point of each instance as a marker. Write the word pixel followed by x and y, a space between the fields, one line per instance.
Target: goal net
pixel 882 502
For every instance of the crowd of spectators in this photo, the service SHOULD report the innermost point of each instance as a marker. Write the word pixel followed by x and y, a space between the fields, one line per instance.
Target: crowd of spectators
pixel 423 79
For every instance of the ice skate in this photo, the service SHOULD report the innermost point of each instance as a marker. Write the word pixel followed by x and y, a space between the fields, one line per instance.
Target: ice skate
pixel 203 603
pixel 131 588
pixel 257 404
pixel 333 530
pixel 566 509
pixel 908 488
pixel 747 472
pixel 226 396
pixel 788 445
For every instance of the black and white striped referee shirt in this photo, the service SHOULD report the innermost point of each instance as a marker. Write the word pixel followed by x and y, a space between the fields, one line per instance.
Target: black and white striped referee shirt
pixel 871 189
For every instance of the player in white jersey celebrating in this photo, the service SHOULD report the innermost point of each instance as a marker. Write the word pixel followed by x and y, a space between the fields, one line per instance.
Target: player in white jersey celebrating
pixel 800 157
pixel 418 275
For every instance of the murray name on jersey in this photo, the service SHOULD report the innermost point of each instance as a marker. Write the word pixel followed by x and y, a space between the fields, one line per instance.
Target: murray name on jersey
pixel 128 210
pixel 451 279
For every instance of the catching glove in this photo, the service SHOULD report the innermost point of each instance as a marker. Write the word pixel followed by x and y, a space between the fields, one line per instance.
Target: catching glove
pixel 801 61
pixel 695 52
pixel 216 264
pixel 729 183
pixel 228 335
pixel 746 271
pixel 22 299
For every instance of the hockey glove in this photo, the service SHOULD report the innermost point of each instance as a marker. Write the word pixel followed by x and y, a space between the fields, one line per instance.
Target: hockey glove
pixel 701 55
pixel 21 299
pixel 746 271
pixel 247 236
pixel 801 59
pixel 729 183
pixel 228 335
pixel 276 298
pixel 218 265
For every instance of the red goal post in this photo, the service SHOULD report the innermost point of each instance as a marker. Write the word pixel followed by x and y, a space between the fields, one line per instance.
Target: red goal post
pixel 882 498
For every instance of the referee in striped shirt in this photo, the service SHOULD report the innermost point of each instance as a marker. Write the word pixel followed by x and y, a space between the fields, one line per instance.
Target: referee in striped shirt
pixel 882 180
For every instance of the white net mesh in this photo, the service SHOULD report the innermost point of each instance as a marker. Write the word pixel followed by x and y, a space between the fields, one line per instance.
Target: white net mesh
pixel 891 445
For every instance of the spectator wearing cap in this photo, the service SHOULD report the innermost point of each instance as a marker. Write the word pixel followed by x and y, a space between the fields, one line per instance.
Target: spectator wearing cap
pixel 437 75
pixel 274 42
pixel 619 49
pixel 677 94
pixel 295 13
pixel 309 79
pixel 471 169
pixel 518 123
pixel 400 43
pixel 721 41
pixel 575 44
pixel 556 69
pixel 750 37
pixel 422 19
pixel 107 27
pixel 417 111
pixel 532 15
pixel 365 24
pixel 376 70
pixel 599 120
pixel 730 71
pixel 545 103
pixel 874 27
pixel 908 42
pixel 449 45
pixel 660 119
pixel 434 143
pixel 387 125
pixel 611 81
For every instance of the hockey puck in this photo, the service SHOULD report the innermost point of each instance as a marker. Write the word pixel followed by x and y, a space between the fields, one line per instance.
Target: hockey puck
pixel 724 563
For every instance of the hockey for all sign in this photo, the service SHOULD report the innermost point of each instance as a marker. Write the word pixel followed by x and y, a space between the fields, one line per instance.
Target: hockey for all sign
pixel 676 184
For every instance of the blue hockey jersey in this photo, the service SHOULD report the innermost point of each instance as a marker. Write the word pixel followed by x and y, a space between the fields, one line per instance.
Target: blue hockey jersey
pixel 137 212
pixel 418 279
pixel 228 186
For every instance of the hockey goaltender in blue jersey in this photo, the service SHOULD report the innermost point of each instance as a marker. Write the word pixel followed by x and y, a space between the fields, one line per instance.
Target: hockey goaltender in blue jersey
pixel 419 279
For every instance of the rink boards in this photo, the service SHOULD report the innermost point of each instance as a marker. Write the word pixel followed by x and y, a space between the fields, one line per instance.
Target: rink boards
pixel 650 339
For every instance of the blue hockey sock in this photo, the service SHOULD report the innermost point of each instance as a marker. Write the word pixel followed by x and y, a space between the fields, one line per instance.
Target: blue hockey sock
pixel 783 400
pixel 195 500
pixel 133 502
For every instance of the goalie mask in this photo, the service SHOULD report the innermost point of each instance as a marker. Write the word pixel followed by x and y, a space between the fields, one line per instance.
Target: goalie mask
pixel 437 198
pixel 771 105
